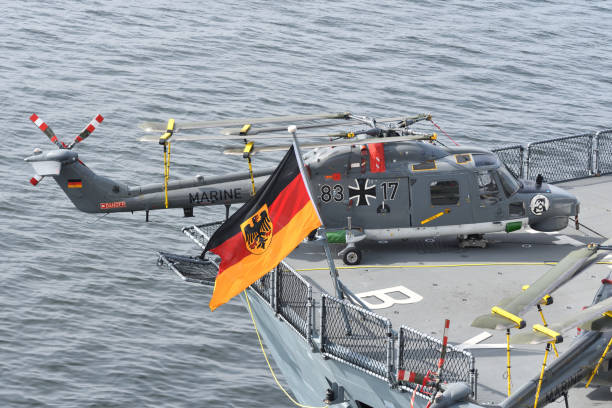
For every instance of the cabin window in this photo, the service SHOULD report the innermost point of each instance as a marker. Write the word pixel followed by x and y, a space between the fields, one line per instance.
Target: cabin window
pixel 426 165
pixel 485 159
pixel 509 184
pixel 444 192
pixel 517 209
pixel 487 188
pixel 463 158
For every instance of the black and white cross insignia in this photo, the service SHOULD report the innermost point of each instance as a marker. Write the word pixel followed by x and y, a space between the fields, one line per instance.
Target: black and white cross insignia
pixel 362 191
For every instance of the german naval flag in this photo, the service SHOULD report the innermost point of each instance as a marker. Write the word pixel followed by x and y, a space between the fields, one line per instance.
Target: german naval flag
pixel 263 231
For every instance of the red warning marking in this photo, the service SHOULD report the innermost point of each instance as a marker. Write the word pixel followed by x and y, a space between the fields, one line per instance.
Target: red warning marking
pixel 109 206
pixel 335 177
pixel 38 122
pixel 606 281
pixel 34 181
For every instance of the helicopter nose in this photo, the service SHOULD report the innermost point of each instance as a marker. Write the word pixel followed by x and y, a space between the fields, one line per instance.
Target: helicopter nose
pixel 551 212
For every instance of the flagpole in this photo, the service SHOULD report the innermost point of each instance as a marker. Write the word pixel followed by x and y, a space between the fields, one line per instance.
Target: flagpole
pixel 332 268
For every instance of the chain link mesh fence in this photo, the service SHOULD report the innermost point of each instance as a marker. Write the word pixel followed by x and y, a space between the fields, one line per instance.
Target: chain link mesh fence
pixel 561 159
pixel 512 157
pixel 263 286
pixel 420 353
pixel 294 300
pixel 356 336
pixel 604 152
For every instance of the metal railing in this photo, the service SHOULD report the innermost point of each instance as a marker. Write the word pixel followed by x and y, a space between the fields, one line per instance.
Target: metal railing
pixel 358 337
pixel 293 300
pixel 419 353
pixel 348 333
pixel 561 159
pixel 512 157
pixel 604 152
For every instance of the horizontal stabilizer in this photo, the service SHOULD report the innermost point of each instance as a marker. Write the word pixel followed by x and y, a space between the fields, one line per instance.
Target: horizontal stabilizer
pixel 47 167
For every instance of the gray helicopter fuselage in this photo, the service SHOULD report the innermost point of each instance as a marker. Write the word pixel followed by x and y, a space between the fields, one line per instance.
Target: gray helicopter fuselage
pixel 428 190
pixel 417 190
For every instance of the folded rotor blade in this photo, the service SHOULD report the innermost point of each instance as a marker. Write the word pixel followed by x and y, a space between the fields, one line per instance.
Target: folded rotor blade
pixel 238 131
pixel 583 319
pixel 161 126
pixel 570 266
pixel 183 137
pixel 342 142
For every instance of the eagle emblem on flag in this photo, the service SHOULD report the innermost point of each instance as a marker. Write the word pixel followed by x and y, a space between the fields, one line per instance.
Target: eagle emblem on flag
pixel 257 231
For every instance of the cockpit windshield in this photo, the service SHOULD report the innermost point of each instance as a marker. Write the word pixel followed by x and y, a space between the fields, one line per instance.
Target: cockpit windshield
pixel 509 184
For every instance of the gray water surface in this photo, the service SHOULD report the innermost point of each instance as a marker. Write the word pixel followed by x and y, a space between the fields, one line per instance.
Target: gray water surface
pixel 86 317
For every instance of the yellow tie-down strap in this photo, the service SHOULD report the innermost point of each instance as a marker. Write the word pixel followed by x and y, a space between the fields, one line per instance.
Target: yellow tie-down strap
pixel 555 337
pixel 520 323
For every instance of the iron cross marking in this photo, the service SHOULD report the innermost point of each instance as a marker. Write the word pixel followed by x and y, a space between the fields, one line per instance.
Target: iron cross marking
pixel 362 191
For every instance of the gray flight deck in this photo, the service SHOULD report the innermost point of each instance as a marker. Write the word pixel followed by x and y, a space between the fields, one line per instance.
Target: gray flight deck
pixel 317 346
pixel 461 284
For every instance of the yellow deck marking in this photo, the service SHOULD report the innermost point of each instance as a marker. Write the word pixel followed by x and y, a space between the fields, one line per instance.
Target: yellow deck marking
pixel 440 266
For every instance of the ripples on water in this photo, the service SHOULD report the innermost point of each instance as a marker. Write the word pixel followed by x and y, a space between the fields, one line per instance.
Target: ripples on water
pixel 87 317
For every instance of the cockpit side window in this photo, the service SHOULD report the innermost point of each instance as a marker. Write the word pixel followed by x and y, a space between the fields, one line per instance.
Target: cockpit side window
pixel 509 184
pixel 485 159
pixel 487 187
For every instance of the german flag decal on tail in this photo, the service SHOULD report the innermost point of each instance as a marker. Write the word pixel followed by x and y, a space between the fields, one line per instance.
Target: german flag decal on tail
pixel 75 183
pixel 263 231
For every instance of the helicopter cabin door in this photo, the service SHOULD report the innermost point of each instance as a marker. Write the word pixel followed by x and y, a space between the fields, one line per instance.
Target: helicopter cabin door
pixel 440 200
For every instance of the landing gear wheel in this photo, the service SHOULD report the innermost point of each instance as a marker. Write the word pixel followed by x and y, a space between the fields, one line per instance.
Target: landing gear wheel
pixel 352 257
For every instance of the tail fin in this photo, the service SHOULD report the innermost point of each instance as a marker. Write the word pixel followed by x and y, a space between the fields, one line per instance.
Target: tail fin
pixel 84 188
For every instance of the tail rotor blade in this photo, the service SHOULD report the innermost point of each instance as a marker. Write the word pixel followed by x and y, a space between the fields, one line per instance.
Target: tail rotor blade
pixel 87 131
pixel 47 131
pixel 36 179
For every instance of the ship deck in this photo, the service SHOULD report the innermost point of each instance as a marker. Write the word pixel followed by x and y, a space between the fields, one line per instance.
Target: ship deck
pixel 444 281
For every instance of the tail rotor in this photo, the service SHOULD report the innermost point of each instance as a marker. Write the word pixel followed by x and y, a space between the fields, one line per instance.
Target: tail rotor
pixel 49 164
pixel 42 125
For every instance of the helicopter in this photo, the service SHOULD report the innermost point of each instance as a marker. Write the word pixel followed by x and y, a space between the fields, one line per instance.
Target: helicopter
pixel 381 183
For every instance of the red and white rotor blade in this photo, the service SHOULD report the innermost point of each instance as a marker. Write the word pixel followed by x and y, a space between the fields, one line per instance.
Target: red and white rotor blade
pixel 47 130
pixel 36 179
pixel 88 130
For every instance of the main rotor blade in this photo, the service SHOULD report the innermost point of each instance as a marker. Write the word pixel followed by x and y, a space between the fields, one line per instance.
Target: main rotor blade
pixel 343 142
pixel 161 126
pixel 184 137
pixel 251 131
pixel 580 319
pixel 273 129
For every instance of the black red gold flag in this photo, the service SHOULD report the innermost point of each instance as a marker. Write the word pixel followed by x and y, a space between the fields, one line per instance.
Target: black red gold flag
pixel 263 231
